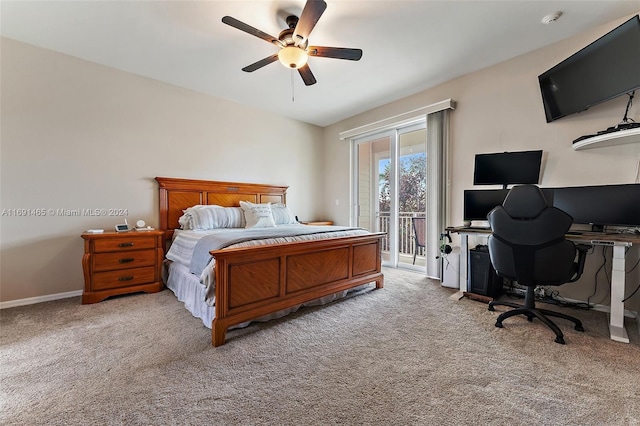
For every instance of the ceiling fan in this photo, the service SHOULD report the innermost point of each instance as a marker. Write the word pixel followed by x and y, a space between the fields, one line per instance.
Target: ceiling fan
pixel 294 42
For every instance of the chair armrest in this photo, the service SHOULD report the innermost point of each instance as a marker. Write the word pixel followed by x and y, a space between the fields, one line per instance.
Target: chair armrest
pixel 582 255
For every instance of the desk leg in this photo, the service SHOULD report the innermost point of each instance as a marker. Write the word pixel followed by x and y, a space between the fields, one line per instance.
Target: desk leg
pixel 464 263
pixel 616 323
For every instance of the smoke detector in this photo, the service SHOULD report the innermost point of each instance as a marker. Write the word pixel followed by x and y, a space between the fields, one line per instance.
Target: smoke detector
pixel 552 17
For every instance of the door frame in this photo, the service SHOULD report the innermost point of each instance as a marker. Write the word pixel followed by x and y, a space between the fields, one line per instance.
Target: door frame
pixel 393 134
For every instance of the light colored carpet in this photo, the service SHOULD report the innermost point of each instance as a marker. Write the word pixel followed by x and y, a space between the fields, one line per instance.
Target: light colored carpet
pixel 406 354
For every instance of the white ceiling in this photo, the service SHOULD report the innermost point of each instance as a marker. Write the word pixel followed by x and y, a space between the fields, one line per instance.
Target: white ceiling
pixel 408 46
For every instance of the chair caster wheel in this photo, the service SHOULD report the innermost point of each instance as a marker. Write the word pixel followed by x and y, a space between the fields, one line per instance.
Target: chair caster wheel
pixel 530 318
pixel 491 308
pixel 579 328
pixel 560 340
pixel 499 324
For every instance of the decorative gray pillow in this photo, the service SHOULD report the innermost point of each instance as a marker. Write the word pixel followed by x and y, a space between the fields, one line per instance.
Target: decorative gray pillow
pixel 282 215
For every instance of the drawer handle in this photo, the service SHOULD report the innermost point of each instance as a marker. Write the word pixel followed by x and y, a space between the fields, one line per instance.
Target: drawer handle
pixel 126 260
pixel 125 244
pixel 129 278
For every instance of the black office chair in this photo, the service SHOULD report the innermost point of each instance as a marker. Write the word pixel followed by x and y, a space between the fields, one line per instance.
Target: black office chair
pixel 528 245
pixel 419 234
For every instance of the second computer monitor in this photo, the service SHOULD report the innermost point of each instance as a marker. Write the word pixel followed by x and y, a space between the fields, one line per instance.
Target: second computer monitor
pixel 616 205
pixel 479 202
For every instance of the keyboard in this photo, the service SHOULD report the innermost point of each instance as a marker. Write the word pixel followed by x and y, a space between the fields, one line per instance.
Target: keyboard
pixel 584 137
pixel 613 129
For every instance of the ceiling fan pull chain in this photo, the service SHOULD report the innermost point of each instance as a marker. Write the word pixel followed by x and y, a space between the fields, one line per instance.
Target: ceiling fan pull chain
pixel 293 94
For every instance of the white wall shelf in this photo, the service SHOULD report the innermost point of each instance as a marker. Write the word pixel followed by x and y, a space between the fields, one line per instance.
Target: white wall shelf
pixel 609 139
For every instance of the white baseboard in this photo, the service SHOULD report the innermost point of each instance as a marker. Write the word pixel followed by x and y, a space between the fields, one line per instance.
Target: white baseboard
pixel 39 299
pixel 605 308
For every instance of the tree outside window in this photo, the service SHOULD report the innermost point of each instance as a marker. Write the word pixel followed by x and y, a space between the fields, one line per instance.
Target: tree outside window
pixel 412 192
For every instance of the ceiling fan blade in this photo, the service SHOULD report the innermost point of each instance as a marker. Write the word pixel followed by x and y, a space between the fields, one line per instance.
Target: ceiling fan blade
pixel 312 11
pixel 307 75
pixel 250 30
pixel 335 52
pixel 261 63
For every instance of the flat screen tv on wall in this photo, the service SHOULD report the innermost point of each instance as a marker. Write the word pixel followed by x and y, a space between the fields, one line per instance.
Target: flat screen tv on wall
pixel 607 68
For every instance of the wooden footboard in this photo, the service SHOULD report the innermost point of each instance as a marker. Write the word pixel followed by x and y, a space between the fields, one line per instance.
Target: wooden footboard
pixel 252 282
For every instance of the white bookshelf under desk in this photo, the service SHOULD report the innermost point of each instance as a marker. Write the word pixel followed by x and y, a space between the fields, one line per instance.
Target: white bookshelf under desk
pixel 608 139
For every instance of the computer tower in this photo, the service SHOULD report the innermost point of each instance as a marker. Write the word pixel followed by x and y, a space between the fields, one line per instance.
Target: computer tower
pixel 484 280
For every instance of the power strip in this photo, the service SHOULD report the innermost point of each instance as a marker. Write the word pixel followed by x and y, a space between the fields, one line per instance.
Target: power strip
pixel 602 243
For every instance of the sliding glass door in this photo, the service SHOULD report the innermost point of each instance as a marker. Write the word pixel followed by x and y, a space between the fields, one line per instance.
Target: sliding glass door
pixel 399 184
pixel 390 192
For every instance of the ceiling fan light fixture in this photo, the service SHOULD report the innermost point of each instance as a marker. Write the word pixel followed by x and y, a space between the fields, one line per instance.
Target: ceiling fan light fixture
pixel 294 42
pixel 293 57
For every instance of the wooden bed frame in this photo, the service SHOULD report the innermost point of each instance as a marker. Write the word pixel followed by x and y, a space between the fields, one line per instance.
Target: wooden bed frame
pixel 252 282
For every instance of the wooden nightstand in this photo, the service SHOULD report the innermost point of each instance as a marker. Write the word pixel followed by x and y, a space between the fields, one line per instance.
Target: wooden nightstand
pixel 318 223
pixel 119 263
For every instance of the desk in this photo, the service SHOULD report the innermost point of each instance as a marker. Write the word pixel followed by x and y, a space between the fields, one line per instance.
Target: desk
pixel 618 241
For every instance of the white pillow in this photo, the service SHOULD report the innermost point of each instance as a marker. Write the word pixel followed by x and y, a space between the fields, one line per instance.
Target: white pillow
pixel 282 215
pixel 257 215
pixel 212 217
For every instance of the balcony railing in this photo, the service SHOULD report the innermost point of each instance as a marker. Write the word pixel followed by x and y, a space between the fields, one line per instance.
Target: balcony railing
pixel 406 235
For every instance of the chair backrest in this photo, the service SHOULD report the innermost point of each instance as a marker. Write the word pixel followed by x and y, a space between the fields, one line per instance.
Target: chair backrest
pixel 419 230
pixel 527 243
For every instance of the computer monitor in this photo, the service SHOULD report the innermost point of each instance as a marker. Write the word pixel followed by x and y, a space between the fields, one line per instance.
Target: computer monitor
pixel 479 202
pixel 615 205
pixel 507 168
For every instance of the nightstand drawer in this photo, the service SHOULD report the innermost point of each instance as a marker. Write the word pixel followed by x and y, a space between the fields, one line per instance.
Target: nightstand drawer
pixel 123 278
pixel 124 243
pixel 124 260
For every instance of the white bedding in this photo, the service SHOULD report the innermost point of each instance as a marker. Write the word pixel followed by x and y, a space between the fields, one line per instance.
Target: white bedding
pixel 198 293
pixel 184 242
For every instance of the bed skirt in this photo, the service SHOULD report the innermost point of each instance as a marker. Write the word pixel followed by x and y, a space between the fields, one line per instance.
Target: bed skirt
pixel 188 290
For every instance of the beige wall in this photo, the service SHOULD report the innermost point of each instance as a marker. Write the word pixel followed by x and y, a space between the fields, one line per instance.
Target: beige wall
pixel 500 109
pixel 77 135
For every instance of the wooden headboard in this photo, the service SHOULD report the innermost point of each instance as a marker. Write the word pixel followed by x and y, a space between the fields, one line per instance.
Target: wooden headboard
pixel 177 195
